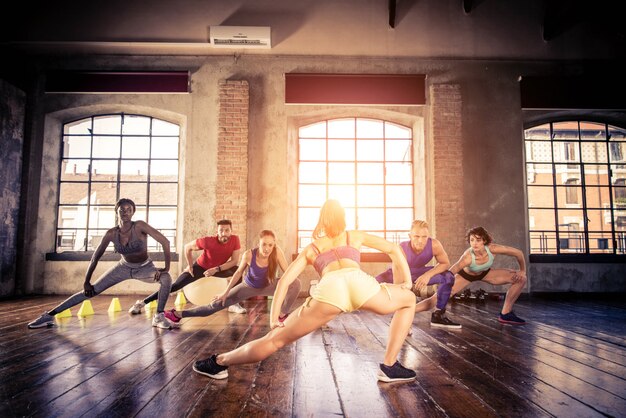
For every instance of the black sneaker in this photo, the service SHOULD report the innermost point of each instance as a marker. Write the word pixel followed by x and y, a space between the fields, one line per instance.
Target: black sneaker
pixel 481 295
pixel 511 319
pixel 395 373
pixel 438 319
pixel 209 367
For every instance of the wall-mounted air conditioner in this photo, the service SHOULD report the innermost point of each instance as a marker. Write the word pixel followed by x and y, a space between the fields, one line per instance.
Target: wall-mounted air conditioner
pixel 240 37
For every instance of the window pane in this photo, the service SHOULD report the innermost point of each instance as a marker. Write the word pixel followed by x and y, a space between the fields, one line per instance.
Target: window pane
pixel 135 191
pixel 161 127
pixel 136 125
pixel 596 174
pixel 568 196
pixel 598 221
pixel 617 152
pixel 163 194
pixel 594 152
pixel 134 170
pixel 102 217
pixel 313 149
pixel 565 130
pixel 570 220
pixel 617 134
pixel 70 240
pixel 344 194
pixel 164 170
pixel 140 213
pixel 590 131
pixel 164 148
pixel 540 197
pixel 341 173
pixel 566 152
pixel 540 152
pixel 104 170
pixel 107 125
pixel 94 238
pixel 538 132
pixel 307 217
pixel 135 147
pixel 309 195
pixel 106 147
pixel 341 149
pixel 566 173
pixel 73 193
pixel 370 150
pixel 103 193
pixel 79 127
pixel 312 173
pixel 398 150
pixel 304 238
pixel 399 173
pixel 77 147
pixel 350 218
pixel 370 173
pixel 597 197
pixel 371 219
pixel 541 220
pixel 367 128
pixel 163 218
pixel 341 128
pixel 397 131
pixel 399 218
pixel 316 130
pixel 619 196
pixel 372 196
pixel 572 242
pixel 72 217
pixel 600 242
pixel 74 170
pixel 539 174
pixel 542 242
pixel 400 196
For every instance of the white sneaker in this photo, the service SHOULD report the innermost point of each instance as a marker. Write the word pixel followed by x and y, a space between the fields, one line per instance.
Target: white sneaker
pixel 45 320
pixel 237 308
pixel 160 321
pixel 136 308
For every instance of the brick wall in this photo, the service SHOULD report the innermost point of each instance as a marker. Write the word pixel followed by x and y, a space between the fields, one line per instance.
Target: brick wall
pixel 232 162
pixel 446 106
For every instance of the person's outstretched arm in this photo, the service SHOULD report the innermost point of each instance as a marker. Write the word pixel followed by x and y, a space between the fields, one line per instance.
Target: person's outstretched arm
pixel 165 244
pixel 399 265
pixel 246 258
pixel 513 252
pixel 87 286
pixel 443 264
pixel 291 273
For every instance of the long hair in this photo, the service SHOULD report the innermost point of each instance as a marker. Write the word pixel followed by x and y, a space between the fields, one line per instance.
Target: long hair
pixel 479 231
pixel 332 220
pixel 273 257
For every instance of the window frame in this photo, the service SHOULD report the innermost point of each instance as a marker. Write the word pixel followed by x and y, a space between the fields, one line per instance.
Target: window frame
pixel 85 252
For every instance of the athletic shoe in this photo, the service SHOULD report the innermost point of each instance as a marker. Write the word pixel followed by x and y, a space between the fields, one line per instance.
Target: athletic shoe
pixel 137 307
pixel 45 320
pixel 395 373
pixel 209 367
pixel 282 318
pixel 481 295
pixel 237 308
pixel 172 317
pixel 511 318
pixel 160 321
pixel 438 319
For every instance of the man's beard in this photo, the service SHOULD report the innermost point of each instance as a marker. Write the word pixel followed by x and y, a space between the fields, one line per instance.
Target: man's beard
pixel 223 239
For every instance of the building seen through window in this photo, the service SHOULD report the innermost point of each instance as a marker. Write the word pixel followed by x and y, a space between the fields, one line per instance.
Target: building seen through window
pixel 107 157
pixel 576 175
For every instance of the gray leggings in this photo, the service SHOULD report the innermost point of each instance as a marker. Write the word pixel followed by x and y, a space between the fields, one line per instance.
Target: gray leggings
pixel 242 292
pixel 118 273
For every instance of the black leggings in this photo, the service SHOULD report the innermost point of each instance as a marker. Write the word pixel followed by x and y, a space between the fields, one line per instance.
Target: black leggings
pixel 470 277
pixel 185 278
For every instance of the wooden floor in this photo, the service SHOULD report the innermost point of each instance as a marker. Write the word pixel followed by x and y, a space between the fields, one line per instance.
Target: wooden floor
pixel 569 361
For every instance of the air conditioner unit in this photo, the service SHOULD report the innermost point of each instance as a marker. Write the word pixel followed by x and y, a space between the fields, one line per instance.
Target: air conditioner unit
pixel 240 37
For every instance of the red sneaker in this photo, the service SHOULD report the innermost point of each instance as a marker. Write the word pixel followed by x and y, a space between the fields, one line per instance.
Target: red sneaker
pixel 170 315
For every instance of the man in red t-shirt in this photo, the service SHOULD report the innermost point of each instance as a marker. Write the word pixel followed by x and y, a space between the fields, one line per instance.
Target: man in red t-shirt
pixel 219 257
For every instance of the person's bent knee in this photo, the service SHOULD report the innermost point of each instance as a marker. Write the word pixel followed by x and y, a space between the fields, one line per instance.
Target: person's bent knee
pixel 165 279
pixel 448 279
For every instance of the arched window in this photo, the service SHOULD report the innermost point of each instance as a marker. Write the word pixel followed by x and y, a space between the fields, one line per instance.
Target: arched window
pixel 367 165
pixel 107 157
pixel 575 173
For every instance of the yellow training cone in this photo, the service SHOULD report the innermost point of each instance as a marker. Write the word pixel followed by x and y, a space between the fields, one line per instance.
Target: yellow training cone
pixel 65 314
pixel 180 299
pixel 115 305
pixel 151 305
pixel 85 309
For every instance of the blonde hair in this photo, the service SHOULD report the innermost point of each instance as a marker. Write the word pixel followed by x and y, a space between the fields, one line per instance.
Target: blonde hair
pixel 332 220
pixel 418 223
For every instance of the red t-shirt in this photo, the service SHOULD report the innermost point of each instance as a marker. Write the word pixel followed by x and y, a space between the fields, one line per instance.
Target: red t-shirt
pixel 214 252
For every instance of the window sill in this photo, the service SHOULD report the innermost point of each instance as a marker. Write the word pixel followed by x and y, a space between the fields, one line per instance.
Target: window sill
pixel 577 258
pixel 108 256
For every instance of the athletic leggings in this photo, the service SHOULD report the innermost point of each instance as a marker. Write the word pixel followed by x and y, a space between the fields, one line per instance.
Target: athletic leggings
pixel 445 281
pixel 185 278
pixel 123 271
pixel 242 292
